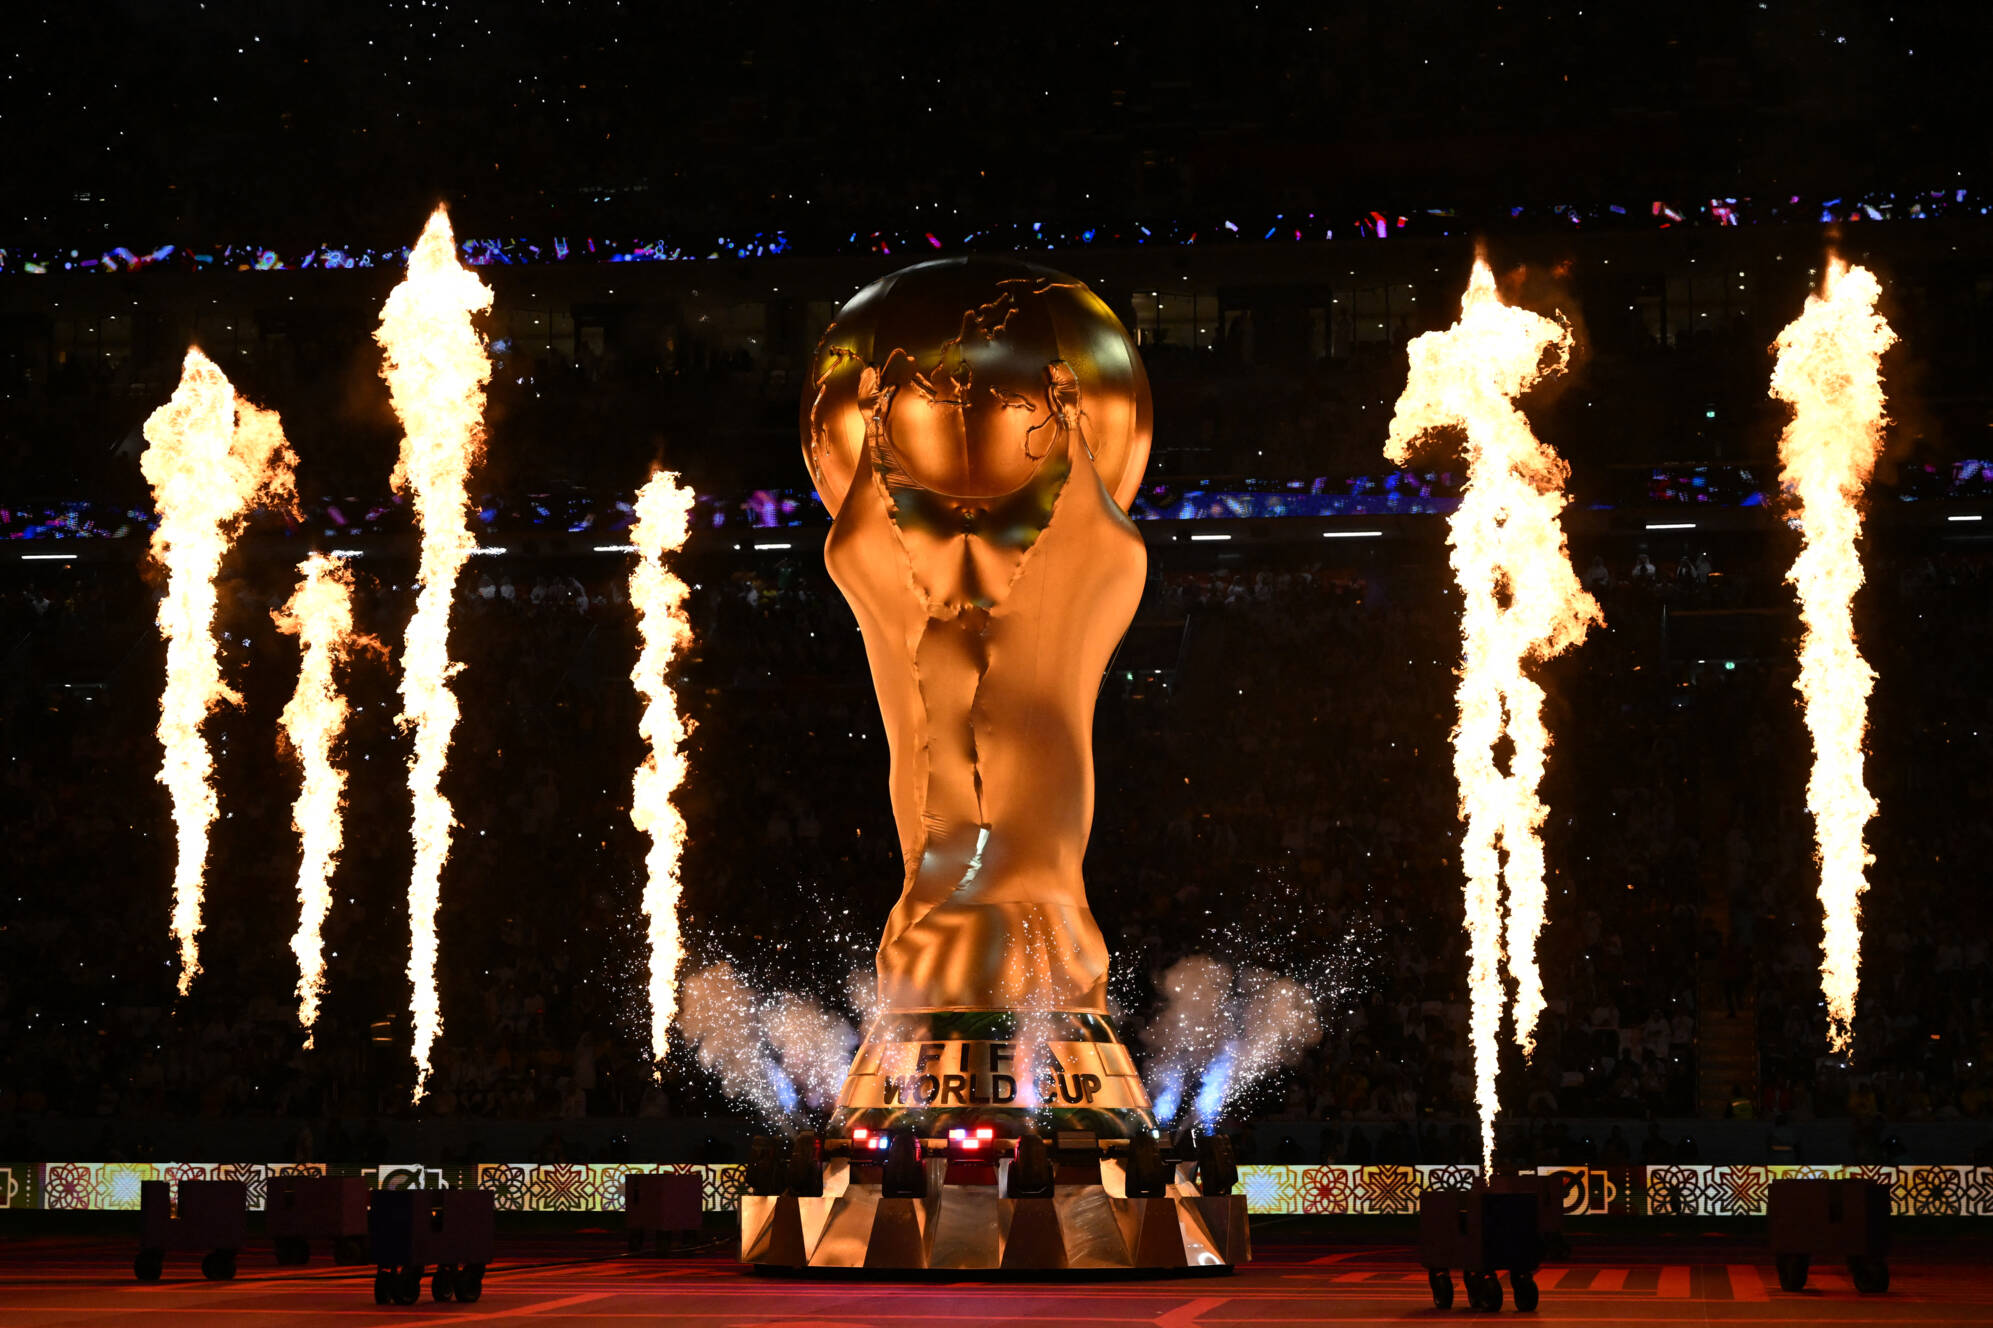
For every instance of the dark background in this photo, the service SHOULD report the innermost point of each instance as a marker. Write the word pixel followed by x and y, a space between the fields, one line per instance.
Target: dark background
pixel 1273 746
pixel 207 120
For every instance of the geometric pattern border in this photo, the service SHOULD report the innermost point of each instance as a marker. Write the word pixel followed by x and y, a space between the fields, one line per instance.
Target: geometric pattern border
pixel 592 1187
pixel 518 1187
pixel 1657 1191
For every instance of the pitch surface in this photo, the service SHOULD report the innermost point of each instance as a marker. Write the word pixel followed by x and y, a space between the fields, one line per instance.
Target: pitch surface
pixel 584 1279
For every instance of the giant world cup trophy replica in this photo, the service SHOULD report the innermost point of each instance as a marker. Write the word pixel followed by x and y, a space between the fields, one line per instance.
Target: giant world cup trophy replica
pixel 977 429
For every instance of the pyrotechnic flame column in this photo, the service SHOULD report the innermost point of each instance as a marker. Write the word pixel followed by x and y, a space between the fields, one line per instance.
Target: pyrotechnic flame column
pixel 320 615
pixel 664 513
pixel 210 456
pixel 436 370
pixel 1520 600
pixel 1830 369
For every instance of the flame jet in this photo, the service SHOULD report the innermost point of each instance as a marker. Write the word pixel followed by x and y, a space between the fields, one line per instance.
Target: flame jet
pixel 664 511
pixel 320 615
pixel 210 456
pixel 436 369
pixel 1830 369
pixel 1521 601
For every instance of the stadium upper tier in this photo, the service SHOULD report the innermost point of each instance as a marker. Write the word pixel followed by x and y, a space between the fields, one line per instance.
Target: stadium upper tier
pixel 1265 357
pixel 924 240
pixel 1677 497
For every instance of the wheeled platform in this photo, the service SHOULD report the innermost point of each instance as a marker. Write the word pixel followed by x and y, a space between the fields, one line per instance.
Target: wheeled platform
pixel 209 1216
pixel 302 1209
pixel 661 1206
pixel 1482 1234
pixel 411 1230
pixel 1830 1219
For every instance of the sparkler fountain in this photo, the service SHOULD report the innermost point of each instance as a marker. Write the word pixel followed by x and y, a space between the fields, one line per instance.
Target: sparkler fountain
pixel 977 429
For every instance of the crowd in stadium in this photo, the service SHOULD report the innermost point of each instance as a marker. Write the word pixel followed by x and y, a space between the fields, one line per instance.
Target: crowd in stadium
pixel 1283 754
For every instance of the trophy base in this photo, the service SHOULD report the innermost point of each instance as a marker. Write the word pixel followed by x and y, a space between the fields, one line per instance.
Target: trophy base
pixel 917 1162
pixel 929 1072
pixel 967 1227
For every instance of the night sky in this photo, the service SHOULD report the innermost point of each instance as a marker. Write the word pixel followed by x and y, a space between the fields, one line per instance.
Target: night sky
pixel 205 120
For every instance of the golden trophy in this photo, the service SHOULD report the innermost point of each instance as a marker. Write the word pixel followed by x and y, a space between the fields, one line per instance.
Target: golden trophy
pixel 977 428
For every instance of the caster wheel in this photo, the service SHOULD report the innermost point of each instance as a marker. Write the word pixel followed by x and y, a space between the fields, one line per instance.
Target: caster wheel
pixel 349 1250
pixel 1442 1288
pixel 1524 1286
pixel 383 1288
pixel 1871 1276
pixel 218 1265
pixel 148 1265
pixel 470 1282
pixel 443 1284
pixel 1792 1271
pixel 293 1250
pixel 1484 1293
pixel 406 1286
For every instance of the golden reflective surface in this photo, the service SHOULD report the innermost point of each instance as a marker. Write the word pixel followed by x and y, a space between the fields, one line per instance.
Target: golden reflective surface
pixel 977 428
pixel 974 1227
pixel 966 352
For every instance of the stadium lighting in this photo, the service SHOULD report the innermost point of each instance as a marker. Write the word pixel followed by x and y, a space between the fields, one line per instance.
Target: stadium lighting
pixel 615 548
pixel 344 553
pixel 1671 525
pixel 488 550
pixel 1352 534
pixel 771 546
pixel 1973 517
pixel 1198 538
pixel 46 557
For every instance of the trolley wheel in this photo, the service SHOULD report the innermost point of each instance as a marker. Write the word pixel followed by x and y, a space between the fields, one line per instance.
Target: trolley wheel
pixel 1792 1271
pixel 1484 1292
pixel 383 1286
pixel 148 1265
pixel 470 1281
pixel 1524 1286
pixel 1871 1275
pixel 1442 1288
pixel 218 1265
pixel 443 1284
pixel 350 1249
pixel 405 1284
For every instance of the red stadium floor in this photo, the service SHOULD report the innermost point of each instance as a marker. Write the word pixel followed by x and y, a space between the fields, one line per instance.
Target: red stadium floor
pixel 583 1279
